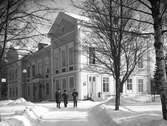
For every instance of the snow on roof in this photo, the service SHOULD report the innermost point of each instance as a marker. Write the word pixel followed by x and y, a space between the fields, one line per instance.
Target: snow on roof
pixel 79 17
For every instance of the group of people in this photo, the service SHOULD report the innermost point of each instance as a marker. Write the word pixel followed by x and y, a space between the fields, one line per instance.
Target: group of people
pixel 64 96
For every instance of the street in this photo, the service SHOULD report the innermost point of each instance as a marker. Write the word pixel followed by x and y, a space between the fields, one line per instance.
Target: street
pixel 68 116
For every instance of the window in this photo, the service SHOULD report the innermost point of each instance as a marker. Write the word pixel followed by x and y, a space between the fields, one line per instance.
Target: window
pixel 90 79
pixel 140 85
pixel 28 88
pixel 94 79
pixel 129 84
pixel 105 84
pixel 140 63
pixel 40 68
pixel 91 55
pixel 71 56
pixel 47 69
pixel 63 58
pixel 16 91
pixel 10 90
pixel 47 88
pixel 28 72
pixel 16 74
pixel 71 82
pixel 33 70
pixel 13 92
pixel 13 75
pixel 64 83
pixel 57 84
pixel 10 75
pixel 56 59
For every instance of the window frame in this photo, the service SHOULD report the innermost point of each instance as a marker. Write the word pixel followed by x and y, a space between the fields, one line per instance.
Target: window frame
pixel 74 86
pixel 105 85
pixel 129 84
pixel 140 85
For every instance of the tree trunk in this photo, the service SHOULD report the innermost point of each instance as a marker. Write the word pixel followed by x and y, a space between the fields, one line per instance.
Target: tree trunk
pixel 117 97
pixel 158 44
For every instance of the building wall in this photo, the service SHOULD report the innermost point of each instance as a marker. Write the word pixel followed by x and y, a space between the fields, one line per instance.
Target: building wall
pixel 65 33
pixel 62 65
pixel 37 84
pixel 64 55
pixel 142 74
pixel 14 79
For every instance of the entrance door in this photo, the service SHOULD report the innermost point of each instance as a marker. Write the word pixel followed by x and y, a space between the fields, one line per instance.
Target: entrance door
pixel 91 87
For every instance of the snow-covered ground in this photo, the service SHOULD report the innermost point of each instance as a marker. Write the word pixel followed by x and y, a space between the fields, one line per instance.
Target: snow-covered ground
pixel 134 111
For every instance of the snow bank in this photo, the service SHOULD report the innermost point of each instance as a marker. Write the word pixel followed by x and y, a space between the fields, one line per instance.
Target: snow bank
pixel 5 102
pixel 98 117
pixel 158 123
pixel 20 101
pixel 135 100
pixel 12 122
pixel 107 116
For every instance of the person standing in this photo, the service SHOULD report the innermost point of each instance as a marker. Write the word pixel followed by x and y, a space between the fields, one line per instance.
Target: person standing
pixel 65 98
pixel 58 97
pixel 75 97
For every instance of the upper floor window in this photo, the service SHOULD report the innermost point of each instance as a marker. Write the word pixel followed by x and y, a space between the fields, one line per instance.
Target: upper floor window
pixel 33 70
pixel 71 55
pixel 28 72
pixel 63 58
pixel 10 75
pixel 16 74
pixel 56 59
pixel 105 84
pixel 129 84
pixel 40 68
pixel 92 55
pixel 13 75
pixel 140 63
pixel 47 88
pixel 47 69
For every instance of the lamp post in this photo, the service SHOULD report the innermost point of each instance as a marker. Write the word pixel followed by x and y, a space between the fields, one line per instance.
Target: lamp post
pixel 24 82
pixel 3 88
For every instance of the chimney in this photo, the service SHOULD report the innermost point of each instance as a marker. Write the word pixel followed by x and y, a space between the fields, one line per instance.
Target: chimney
pixel 41 45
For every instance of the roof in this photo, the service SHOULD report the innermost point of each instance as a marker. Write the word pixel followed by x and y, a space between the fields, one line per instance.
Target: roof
pixel 68 16
pixel 78 17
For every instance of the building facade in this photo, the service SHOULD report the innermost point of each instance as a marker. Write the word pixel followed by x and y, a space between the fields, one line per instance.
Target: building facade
pixel 14 74
pixel 61 66
pixel 68 61
pixel 36 74
pixel 3 77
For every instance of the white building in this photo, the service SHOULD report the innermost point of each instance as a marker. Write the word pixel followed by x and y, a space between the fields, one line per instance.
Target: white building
pixel 68 60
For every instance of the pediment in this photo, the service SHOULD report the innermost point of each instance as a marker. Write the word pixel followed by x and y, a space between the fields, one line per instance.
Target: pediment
pixel 58 26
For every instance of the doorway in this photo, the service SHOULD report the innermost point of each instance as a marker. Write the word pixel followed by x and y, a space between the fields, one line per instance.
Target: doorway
pixel 91 87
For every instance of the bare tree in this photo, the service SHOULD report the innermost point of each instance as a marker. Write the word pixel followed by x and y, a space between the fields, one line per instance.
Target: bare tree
pixel 20 21
pixel 155 11
pixel 114 39
pixel 19 24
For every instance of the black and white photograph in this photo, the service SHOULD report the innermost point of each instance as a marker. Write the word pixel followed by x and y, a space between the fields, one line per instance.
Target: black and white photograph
pixel 83 62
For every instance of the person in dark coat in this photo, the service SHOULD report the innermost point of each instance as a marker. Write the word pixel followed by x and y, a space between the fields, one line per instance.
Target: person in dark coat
pixel 58 97
pixel 75 97
pixel 65 98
